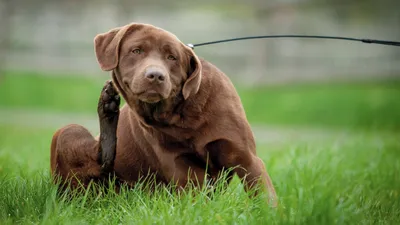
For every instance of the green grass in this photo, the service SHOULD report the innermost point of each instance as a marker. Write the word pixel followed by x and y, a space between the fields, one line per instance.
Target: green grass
pixel 58 93
pixel 348 176
pixel 368 105
pixel 349 180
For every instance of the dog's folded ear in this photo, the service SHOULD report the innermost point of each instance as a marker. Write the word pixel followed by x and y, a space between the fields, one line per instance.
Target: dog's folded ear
pixel 192 84
pixel 106 46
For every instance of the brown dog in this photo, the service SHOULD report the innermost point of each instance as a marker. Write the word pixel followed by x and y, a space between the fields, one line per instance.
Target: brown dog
pixel 182 116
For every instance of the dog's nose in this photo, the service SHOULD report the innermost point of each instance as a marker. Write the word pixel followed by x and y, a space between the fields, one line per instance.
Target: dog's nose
pixel 154 75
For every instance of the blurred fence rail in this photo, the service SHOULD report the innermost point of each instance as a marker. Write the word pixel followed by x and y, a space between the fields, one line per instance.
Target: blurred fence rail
pixel 56 37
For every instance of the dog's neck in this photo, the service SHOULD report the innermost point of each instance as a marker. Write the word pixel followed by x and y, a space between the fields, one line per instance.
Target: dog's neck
pixel 164 113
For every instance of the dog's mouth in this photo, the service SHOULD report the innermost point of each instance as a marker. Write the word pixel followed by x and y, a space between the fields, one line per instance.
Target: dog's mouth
pixel 150 96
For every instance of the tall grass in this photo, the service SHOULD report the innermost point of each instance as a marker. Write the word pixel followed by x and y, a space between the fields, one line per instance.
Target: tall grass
pixel 352 180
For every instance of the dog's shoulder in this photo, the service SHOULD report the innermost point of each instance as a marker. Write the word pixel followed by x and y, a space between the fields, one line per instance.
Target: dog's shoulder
pixel 217 86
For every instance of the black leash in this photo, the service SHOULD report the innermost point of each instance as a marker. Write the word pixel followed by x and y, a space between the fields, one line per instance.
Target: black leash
pixel 368 41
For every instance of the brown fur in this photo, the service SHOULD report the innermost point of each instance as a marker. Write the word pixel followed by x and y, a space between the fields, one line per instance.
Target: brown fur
pixel 191 118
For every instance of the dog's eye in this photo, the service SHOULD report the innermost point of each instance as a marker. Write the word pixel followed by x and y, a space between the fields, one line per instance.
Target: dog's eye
pixel 137 51
pixel 171 57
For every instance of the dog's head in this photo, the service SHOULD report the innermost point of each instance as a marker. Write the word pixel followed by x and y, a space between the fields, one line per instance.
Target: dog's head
pixel 149 64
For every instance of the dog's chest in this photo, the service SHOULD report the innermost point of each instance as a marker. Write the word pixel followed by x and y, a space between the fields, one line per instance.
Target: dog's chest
pixel 183 143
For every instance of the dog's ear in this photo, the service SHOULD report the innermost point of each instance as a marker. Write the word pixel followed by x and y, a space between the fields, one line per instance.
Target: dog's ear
pixel 107 45
pixel 192 84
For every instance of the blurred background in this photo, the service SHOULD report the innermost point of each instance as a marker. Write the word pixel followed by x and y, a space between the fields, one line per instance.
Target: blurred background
pixel 325 113
pixel 57 36
pixel 49 74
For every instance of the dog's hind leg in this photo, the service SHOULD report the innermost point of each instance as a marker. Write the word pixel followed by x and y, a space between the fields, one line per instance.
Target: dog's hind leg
pixel 108 111
pixel 76 156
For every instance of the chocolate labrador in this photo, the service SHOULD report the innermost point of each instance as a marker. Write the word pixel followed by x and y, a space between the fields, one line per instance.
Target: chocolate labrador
pixel 183 120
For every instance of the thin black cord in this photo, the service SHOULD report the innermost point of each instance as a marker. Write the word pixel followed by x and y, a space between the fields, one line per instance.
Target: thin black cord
pixel 368 41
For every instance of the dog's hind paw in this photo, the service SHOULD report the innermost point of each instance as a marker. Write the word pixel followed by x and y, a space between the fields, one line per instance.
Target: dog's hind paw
pixel 108 111
pixel 109 101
